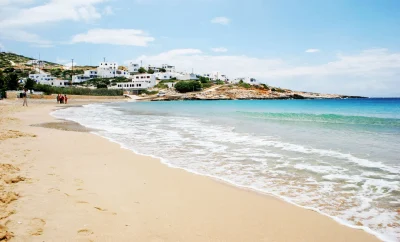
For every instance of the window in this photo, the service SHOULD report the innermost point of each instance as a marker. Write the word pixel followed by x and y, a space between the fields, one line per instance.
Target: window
pixel 137 77
pixel 148 77
pixel 52 84
pixel 60 83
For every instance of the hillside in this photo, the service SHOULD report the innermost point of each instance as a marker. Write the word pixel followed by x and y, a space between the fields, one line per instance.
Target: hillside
pixel 8 60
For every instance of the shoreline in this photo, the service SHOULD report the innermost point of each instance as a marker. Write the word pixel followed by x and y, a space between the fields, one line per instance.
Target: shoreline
pixel 237 186
pixel 247 197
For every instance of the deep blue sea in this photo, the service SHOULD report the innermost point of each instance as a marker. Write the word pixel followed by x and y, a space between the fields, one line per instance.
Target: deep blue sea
pixel 338 157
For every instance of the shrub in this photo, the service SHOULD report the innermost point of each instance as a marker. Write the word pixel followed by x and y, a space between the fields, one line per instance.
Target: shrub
pixel 77 91
pixel 30 84
pixel 265 86
pixel 142 70
pixel 147 92
pixel 101 85
pixel 161 86
pixel 207 85
pixel 188 86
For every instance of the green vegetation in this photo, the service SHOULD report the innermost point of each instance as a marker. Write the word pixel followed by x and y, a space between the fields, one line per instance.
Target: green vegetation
pixel 6 59
pixel 161 86
pixel 188 86
pixel 219 82
pixel 277 89
pixel 12 81
pixel 265 86
pixel 147 92
pixel 77 91
pixel 30 84
pixel 205 82
pixel 2 84
pixel 243 84
pixel 142 70
pixel 150 71
pixel 163 70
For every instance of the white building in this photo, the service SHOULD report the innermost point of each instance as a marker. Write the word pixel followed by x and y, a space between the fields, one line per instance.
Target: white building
pixel 154 68
pixel 35 62
pixel 107 69
pixel 138 82
pixel 39 78
pixel 247 80
pixel 80 78
pixel 168 68
pixel 185 77
pixel 216 76
pixel 133 67
pixel 90 73
pixel 47 79
pixel 167 75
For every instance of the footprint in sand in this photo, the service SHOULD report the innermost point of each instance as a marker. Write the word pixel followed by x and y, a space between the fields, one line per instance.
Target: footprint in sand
pixel 37 226
pixel 85 232
pixel 81 202
pixel 100 209
pixel 78 182
pixel 51 190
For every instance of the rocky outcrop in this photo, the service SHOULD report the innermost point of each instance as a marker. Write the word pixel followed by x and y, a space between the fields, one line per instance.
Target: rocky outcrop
pixel 233 92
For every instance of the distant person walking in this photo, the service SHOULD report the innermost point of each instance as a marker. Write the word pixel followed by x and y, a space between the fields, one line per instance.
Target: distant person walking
pixel 58 98
pixel 24 96
pixel 61 98
pixel 65 98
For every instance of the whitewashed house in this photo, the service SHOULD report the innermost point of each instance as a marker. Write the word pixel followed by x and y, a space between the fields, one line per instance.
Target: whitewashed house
pixel 247 80
pixel 154 68
pixel 80 78
pixel 41 77
pixel 168 68
pixel 90 73
pixel 167 75
pixel 216 76
pixel 36 62
pixel 47 79
pixel 186 77
pixel 133 67
pixel 138 82
pixel 107 69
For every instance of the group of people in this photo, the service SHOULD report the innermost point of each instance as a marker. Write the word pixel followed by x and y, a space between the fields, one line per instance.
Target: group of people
pixel 62 98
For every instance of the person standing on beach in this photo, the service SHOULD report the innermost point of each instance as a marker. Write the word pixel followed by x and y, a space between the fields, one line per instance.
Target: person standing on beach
pixel 65 98
pixel 58 98
pixel 25 98
pixel 61 98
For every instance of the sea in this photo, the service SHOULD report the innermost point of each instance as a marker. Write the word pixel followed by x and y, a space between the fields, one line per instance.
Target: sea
pixel 339 157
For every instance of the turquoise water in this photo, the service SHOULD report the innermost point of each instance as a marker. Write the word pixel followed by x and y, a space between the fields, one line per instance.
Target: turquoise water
pixel 338 157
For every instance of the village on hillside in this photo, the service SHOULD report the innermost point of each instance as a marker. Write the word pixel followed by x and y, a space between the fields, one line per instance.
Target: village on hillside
pixel 153 82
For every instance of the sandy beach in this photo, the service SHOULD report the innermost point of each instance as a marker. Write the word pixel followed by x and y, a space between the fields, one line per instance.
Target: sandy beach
pixel 59 182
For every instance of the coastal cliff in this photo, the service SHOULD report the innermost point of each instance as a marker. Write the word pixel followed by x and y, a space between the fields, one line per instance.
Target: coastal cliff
pixel 235 92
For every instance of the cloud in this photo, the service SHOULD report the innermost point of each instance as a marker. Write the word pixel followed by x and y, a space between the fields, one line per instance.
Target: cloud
pixel 16 22
pixel 23 36
pixel 4 3
pixel 312 50
pixel 373 72
pixel 53 11
pixel 220 49
pixel 130 37
pixel 221 20
pixel 108 10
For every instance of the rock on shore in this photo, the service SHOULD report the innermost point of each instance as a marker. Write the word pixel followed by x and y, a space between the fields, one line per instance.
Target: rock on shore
pixel 234 92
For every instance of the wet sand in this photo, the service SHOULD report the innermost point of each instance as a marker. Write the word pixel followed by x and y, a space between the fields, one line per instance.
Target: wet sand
pixel 59 182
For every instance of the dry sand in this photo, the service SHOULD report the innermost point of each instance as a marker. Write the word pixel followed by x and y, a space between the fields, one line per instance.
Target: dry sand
pixel 63 185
